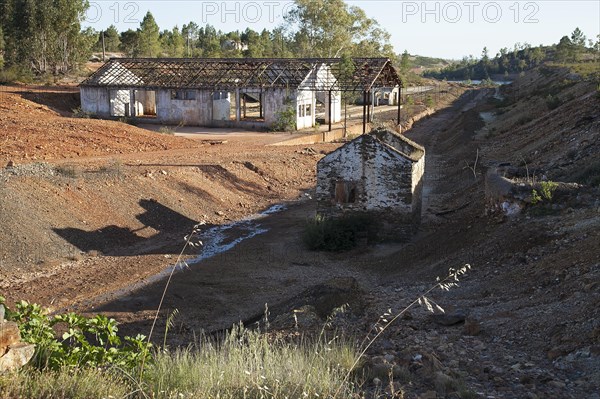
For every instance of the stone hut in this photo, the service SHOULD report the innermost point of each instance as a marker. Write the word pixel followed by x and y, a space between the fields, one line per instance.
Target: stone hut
pixel 379 174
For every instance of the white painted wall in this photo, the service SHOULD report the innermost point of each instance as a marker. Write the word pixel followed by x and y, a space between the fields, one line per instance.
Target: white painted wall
pixel 221 109
pixel 305 109
pixel 273 101
pixel 95 100
pixel 336 105
pixel 190 112
pixel 121 103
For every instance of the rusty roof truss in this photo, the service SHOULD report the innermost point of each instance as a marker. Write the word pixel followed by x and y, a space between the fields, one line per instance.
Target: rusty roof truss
pixel 228 74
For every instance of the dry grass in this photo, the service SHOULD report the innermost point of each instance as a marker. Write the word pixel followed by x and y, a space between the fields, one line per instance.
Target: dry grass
pixel 247 365
pixel 64 384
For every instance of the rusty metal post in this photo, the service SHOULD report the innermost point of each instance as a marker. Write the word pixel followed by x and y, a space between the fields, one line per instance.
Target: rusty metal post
pixel 399 102
pixel 329 110
pixel 369 106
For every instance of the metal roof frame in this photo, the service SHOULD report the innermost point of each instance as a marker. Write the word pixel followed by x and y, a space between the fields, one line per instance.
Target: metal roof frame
pixel 228 74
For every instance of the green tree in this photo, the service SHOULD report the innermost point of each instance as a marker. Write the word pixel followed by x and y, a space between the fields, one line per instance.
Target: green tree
pixel 112 41
pixel 130 43
pixel 578 44
pixel 252 39
pixel 405 62
pixel 149 37
pixel 537 55
pixel 564 49
pixel 173 43
pixel 329 28
pixel 578 38
pixel 209 41
pixel 1 47
pixel 45 35
pixel 190 38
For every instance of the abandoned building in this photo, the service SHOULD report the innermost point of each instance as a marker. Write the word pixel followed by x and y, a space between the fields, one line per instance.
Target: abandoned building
pixel 251 93
pixel 379 174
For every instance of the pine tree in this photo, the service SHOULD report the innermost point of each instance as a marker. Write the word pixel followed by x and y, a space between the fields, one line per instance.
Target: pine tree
pixel 405 62
pixel 112 41
pixel 149 37
pixel 130 43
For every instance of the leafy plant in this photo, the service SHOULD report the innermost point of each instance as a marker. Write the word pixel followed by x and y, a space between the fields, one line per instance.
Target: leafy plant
pixel 84 342
pixel 285 117
pixel 545 193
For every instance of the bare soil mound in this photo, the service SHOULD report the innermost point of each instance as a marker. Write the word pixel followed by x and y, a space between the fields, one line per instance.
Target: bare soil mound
pixel 33 128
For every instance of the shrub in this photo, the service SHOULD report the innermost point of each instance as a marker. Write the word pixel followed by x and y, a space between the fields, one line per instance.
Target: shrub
pixel 429 101
pixel 15 74
pixel 338 234
pixel 129 120
pixel 590 174
pixel 553 102
pixel 285 118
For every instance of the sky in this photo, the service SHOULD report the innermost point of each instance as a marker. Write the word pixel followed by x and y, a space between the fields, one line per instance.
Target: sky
pixel 445 29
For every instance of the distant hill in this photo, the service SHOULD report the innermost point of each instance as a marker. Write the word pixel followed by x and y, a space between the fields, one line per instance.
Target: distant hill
pixel 520 58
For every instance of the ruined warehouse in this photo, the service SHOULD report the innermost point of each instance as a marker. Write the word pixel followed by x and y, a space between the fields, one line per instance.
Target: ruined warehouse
pixel 242 92
pixel 379 174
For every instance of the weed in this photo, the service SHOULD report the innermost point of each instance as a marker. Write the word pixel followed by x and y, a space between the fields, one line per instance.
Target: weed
pixel 338 234
pixel 79 113
pixel 545 193
pixel 166 130
pixel 248 364
pixel 285 118
pixel 66 383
